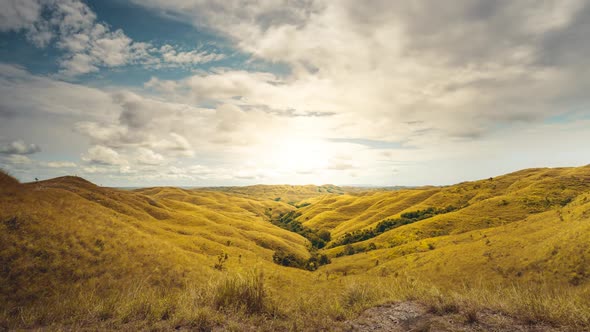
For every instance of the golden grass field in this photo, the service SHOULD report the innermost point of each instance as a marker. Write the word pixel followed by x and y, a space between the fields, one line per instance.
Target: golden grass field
pixel 77 256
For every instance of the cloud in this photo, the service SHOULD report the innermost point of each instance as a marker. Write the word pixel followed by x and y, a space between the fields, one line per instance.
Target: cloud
pixel 18 14
pixel 172 56
pixel 60 164
pixel 19 147
pixel 462 69
pixel 110 134
pixel 23 94
pixel 175 143
pixel 149 157
pixel 452 81
pixel 16 159
pixel 102 155
pixel 340 165
pixel 87 44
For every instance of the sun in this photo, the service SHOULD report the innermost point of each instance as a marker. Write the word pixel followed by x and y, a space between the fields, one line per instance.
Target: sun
pixel 299 155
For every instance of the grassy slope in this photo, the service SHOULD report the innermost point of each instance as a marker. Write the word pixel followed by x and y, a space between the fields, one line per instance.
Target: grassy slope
pixel 70 237
pixel 76 252
pixel 530 225
pixel 283 193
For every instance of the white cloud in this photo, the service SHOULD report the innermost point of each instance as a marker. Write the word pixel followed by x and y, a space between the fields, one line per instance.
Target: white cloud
pixel 60 164
pixel 78 64
pixel 174 143
pixel 24 94
pixel 96 170
pixel 172 56
pixel 103 156
pixel 19 147
pixel 149 157
pixel 88 45
pixel 16 159
pixel 460 70
pixel 18 14
pixel 444 79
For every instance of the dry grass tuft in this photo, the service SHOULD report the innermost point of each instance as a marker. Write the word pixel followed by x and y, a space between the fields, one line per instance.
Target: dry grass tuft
pixel 242 292
pixel 357 295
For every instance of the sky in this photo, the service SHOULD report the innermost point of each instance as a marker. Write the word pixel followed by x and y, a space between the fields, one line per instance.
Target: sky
pixel 239 92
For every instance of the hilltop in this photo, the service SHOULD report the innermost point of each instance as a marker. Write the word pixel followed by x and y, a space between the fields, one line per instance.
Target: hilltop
pixel 76 255
pixel 284 193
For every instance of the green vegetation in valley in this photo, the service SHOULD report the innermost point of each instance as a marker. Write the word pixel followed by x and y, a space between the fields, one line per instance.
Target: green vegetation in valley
pixel 317 240
pixel 288 221
pixel 385 225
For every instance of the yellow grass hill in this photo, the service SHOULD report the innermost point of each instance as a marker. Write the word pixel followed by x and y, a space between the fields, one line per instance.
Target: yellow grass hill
pixel 509 252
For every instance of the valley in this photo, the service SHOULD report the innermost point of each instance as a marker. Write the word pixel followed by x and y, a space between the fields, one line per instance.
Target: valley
pixel 78 256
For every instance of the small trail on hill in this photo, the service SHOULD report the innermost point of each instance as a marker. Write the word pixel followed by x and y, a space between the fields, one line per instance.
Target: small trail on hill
pixel 415 317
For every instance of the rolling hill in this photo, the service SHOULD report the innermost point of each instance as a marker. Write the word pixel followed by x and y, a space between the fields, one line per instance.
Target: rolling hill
pixel 77 256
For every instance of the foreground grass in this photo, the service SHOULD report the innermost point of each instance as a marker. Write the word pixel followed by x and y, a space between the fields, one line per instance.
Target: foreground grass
pixel 247 300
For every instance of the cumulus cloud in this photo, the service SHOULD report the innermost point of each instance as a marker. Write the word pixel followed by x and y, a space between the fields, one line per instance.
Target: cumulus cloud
pixel 19 147
pixel 461 69
pixel 149 157
pixel 448 80
pixel 102 155
pixel 174 143
pixel 18 14
pixel 24 94
pixel 88 45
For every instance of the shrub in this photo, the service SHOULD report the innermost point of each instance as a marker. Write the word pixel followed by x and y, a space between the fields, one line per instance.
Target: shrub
pixel 324 260
pixel 325 235
pixel 286 259
pixel 348 250
pixel 12 224
pixel 221 259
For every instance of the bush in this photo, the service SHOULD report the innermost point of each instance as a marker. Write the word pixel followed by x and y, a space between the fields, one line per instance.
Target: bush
pixel 286 259
pixel 221 259
pixel 325 235
pixel 348 250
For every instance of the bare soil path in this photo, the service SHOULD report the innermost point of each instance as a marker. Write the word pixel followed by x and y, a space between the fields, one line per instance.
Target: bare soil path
pixel 415 317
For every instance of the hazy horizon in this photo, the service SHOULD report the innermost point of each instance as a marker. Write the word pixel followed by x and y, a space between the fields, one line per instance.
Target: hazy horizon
pixel 201 93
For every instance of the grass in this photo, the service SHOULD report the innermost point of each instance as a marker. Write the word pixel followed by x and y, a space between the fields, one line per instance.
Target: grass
pixel 238 292
pixel 74 255
pixel 6 178
pixel 247 300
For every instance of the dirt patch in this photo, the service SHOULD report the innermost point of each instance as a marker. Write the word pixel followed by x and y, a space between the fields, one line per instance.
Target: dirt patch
pixel 413 316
